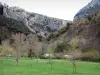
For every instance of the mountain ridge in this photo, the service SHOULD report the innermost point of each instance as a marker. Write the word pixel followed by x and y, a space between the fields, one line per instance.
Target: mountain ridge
pixel 92 7
pixel 39 24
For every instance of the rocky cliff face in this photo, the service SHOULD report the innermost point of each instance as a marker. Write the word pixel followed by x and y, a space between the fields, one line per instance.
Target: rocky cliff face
pixel 92 7
pixel 36 23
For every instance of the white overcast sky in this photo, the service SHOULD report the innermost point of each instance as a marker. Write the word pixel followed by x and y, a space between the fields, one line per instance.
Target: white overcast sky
pixel 63 9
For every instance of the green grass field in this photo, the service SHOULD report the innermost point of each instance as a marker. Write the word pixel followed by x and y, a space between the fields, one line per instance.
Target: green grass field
pixel 42 67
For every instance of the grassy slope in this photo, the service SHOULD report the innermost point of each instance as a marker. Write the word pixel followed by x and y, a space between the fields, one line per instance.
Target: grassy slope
pixel 31 67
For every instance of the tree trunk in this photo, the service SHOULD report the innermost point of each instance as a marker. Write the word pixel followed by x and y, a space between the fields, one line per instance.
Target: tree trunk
pixel 49 59
pixel 73 70
pixel 50 62
pixel 37 59
pixel 17 61
pixel 74 67
pixel 51 65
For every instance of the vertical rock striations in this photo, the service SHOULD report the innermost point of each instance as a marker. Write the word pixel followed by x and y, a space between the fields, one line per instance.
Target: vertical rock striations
pixel 36 23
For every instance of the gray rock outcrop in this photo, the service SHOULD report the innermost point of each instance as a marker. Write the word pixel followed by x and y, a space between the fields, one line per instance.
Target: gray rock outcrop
pixel 36 23
pixel 92 7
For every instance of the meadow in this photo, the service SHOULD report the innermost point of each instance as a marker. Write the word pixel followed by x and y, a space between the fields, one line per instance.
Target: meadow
pixel 42 67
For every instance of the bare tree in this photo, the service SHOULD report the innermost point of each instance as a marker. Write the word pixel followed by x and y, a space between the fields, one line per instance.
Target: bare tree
pixel 74 47
pixel 44 49
pixel 35 47
pixel 50 51
pixel 38 49
pixel 32 45
pixel 51 54
pixel 19 41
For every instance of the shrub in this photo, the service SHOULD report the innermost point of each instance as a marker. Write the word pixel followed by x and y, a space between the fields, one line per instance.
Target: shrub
pixel 91 55
pixel 62 46
pixel 31 54
pixel 58 55
pixel 1 48
pixel 83 20
pixel 98 14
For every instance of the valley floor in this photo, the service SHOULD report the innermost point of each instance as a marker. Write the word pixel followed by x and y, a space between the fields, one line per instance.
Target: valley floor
pixel 42 67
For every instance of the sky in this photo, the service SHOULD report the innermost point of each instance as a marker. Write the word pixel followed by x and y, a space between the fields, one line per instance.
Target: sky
pixel 63 9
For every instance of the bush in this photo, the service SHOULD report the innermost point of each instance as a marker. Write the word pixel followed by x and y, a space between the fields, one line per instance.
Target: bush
pixel 59 55
pixel 98 14
pixel 61 47
pixel 1 48
pixel 31 54
pixel 83 20
pixel 90 55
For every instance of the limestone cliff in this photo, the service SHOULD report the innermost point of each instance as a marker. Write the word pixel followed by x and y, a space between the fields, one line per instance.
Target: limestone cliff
pixel 92 7
pixel 36 23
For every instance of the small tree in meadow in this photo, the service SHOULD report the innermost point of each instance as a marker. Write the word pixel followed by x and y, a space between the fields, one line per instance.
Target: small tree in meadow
pixel 74 47
pixel 18 44
pixel 51 55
